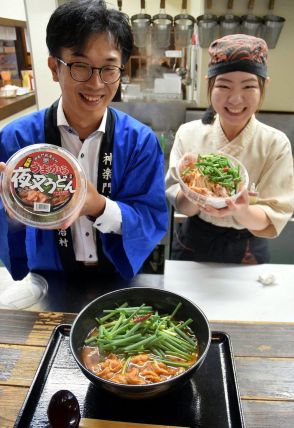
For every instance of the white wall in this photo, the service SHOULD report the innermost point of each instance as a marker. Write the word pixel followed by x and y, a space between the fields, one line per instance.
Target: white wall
pixel 37 16
pixel 13 9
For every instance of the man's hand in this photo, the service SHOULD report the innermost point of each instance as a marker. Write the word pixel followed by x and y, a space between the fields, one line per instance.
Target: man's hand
pixel 2 171
pixel 94 205
pixel 2 168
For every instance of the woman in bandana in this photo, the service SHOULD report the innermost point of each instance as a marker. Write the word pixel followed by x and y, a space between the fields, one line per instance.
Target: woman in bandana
pixel 237 76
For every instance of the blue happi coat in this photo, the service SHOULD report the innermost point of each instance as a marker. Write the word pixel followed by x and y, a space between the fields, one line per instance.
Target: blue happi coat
pixel 137 186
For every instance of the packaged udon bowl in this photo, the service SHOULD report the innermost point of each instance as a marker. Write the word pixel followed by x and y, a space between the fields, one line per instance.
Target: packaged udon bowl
pixel 212 178
pixel 43 186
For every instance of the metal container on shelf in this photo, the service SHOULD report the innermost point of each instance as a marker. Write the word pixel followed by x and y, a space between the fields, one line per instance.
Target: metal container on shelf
pixel 162 25
pixel 251 25
pixel 141 25
pixel 208 29
pixel 271 29
pixel 229 24
pixel 183 27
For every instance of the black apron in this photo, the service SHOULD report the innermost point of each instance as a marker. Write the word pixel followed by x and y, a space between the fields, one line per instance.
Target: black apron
pixel 199 241
pixel 66 252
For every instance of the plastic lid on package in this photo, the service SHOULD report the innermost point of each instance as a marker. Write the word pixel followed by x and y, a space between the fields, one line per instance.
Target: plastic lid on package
pixel 21 294
pixel 43 186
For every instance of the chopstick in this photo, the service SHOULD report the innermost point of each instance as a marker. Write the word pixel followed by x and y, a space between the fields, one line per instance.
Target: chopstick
pixel 100 423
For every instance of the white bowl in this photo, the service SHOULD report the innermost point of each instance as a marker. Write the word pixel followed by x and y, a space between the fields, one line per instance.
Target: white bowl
pixel 8 93
pixel 216 202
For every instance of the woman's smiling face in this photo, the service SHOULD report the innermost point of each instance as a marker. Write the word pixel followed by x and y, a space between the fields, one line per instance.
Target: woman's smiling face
pixel 85 102
pixel 235 97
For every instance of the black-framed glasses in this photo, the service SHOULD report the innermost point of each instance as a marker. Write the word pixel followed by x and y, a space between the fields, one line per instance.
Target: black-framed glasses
pixel 81 72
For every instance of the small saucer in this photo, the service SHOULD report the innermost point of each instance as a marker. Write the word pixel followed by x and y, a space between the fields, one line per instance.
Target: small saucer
pixel 21 294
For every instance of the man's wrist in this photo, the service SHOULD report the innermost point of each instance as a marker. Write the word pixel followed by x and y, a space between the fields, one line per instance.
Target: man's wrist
pixel 94 217
pixel 91 218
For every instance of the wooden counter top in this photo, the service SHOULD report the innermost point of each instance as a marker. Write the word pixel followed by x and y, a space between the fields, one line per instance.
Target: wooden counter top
pixel 264 358
pixel 10 106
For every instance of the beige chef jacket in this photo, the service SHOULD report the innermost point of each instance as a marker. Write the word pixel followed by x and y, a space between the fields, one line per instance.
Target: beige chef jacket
pixel 264 151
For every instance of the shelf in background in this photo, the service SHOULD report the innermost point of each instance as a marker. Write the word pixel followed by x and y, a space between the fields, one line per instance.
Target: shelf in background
pixel 10 106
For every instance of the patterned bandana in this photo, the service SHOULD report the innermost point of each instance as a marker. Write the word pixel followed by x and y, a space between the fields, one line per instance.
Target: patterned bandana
pixel 238 52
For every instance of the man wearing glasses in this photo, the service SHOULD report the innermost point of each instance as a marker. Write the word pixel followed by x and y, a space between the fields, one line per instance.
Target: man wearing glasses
pixel 125 213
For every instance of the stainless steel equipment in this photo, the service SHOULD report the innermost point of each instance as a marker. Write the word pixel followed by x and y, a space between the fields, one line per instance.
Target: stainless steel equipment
pixel 251 24
pixel 272 27
pixel 162 25
pixel 229 23
pixel 208 29
pixel 141 26
pixel 183 27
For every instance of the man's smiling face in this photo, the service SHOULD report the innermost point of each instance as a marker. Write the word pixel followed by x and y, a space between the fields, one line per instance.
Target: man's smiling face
pixel 85 102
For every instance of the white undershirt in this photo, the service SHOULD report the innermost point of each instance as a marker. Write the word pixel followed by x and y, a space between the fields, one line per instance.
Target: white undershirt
pixel 87 153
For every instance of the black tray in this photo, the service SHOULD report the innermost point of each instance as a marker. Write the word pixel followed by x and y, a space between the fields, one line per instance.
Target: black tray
pixel 210 399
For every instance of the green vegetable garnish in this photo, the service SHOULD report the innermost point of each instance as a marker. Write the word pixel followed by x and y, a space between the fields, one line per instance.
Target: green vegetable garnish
pixel 134 330
pixel 219 169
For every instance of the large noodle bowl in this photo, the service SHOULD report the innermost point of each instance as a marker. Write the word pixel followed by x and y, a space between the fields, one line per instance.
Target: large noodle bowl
pixel 139 346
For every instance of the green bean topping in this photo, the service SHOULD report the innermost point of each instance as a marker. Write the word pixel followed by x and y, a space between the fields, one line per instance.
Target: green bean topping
pixel 130 330
pixel 218 169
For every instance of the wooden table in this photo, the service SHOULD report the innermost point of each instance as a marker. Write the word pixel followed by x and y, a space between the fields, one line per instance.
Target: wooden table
pixel 264 357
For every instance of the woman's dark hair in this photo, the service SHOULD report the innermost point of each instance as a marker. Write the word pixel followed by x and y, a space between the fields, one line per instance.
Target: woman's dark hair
pixel 209 114
pixel 73 23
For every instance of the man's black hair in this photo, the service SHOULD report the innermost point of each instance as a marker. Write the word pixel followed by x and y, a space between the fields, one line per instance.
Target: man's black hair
pixel 72 23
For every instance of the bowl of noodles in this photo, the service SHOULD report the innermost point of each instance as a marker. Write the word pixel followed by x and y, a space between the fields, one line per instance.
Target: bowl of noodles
pixel 210 179
pixel 140 342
